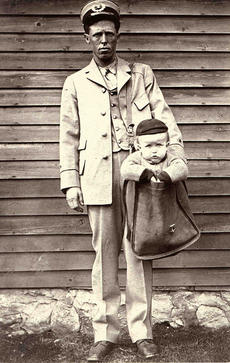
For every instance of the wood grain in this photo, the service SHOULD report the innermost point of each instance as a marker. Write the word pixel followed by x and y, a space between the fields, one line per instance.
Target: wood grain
pixel 75 60
pixel 76 243
pixel 173 96
pixel 191 132
pixel 33 188
pixel 50 151
pixel 211 186
pixel 31 115
pixel 55 79
pixel 31 225
pixel 49 115
pixel 68 224
pixel 154 7
pixel 129 24
pixel 82 279
pixel 133 42
pixel 50 169
pixel 75 261
pixel 43 242
pixel 58 206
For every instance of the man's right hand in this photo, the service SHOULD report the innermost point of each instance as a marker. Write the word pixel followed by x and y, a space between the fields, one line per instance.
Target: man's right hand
pixel 74 198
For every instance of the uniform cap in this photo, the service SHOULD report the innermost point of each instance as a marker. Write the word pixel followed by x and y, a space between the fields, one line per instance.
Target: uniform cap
pixel 151 126
pixel 100 10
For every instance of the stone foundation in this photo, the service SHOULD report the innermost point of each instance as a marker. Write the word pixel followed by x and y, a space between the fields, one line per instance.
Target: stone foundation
pixel 59 310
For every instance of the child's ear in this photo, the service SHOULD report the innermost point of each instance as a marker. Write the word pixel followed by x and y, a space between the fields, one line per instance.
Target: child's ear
pixel 136 145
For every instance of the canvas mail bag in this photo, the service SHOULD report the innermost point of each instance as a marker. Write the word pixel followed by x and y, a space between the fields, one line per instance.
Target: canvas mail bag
pixel 159 219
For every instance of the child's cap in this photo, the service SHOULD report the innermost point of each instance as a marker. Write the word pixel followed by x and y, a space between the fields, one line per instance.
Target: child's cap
pixel 151 126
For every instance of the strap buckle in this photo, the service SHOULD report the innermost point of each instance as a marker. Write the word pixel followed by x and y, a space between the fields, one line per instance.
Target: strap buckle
pixel 130 134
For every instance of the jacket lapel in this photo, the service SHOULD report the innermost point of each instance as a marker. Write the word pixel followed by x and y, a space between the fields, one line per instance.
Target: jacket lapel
pixel 93 74
pixel 123 73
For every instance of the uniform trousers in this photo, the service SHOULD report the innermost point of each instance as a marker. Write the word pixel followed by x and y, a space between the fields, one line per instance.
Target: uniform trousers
pixel 108 237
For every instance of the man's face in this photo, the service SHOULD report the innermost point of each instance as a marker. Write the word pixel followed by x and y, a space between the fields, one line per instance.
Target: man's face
pixel 103 40
pixel 153 147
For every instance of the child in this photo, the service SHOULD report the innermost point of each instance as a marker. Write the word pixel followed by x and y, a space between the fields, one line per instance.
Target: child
pixel 152 161
pixel 159 221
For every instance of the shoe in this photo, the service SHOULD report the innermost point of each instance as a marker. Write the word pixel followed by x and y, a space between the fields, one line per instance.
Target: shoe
pixel 99 350
pixel 146 348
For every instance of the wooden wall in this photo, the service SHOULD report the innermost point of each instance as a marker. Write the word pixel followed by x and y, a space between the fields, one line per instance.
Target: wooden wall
pixel 187 43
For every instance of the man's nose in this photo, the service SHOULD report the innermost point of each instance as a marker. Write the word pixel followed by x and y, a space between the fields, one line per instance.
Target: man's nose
pixel 104 38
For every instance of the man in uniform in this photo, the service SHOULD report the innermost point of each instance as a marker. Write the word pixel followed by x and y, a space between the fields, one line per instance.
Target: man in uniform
pixel 98 105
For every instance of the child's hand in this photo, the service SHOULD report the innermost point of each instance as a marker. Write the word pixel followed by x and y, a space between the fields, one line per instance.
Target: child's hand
pixel 153 179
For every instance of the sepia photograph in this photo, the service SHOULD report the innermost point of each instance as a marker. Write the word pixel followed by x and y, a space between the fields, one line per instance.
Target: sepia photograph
pixel 114 181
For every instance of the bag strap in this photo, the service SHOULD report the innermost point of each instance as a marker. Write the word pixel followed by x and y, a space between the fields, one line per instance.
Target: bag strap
pixel 130 124
pixel 129 227
pixel 129 98
pixel 187 214
pixel 130 133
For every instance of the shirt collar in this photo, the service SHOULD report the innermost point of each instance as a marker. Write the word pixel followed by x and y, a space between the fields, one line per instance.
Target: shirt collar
pixel 112 67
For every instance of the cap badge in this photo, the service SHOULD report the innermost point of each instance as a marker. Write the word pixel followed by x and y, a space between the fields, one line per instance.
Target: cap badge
pixel 98 8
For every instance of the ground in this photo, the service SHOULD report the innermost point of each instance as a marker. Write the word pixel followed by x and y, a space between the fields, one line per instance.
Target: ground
pixel 193 344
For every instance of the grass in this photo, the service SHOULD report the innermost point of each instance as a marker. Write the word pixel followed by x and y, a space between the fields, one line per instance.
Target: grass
pixel 194 344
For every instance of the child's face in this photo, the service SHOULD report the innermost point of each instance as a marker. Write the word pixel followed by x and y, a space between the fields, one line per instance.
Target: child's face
pixel 153 147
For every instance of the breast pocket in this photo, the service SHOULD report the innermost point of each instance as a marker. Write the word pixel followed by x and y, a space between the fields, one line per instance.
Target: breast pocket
pixel 82 155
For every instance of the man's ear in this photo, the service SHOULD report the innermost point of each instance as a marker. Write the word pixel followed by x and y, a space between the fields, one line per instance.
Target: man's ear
pixel 87 39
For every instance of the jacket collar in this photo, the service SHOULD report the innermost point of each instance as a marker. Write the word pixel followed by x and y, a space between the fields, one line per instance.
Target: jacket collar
pixel 123 73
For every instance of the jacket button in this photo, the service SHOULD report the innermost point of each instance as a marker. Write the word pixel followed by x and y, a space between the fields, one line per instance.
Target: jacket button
pixel 117 128
pixel 103 113
pixel 105 157
pixel 115 116
pixel 113 105
pixel 105 134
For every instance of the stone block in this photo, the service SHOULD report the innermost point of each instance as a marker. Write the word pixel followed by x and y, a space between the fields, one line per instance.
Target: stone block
pixel 36 317
pixel 38 310
pixel 161 308
pixel 211 299
pixel 84 301
pixel 211 317
pixel 64 319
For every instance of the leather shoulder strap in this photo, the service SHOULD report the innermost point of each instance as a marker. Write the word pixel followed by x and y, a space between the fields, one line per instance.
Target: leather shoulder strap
pixel 129 98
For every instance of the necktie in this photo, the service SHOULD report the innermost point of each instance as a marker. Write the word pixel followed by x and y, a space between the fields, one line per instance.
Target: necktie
pixel 110 79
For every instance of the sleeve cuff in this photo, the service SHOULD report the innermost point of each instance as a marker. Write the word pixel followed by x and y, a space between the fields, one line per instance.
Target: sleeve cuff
pixel 164 177
pixel 146 176
pixel 69 178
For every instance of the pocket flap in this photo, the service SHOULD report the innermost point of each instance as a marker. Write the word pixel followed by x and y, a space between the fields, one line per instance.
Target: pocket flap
pixel 82 144
pixel 141 102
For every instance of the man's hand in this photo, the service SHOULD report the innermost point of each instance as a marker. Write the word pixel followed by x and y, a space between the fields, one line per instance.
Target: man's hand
pixel 74 198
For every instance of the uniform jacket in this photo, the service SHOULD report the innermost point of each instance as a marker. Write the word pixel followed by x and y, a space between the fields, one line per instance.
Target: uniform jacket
pixel 134 165
pixel 85 125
